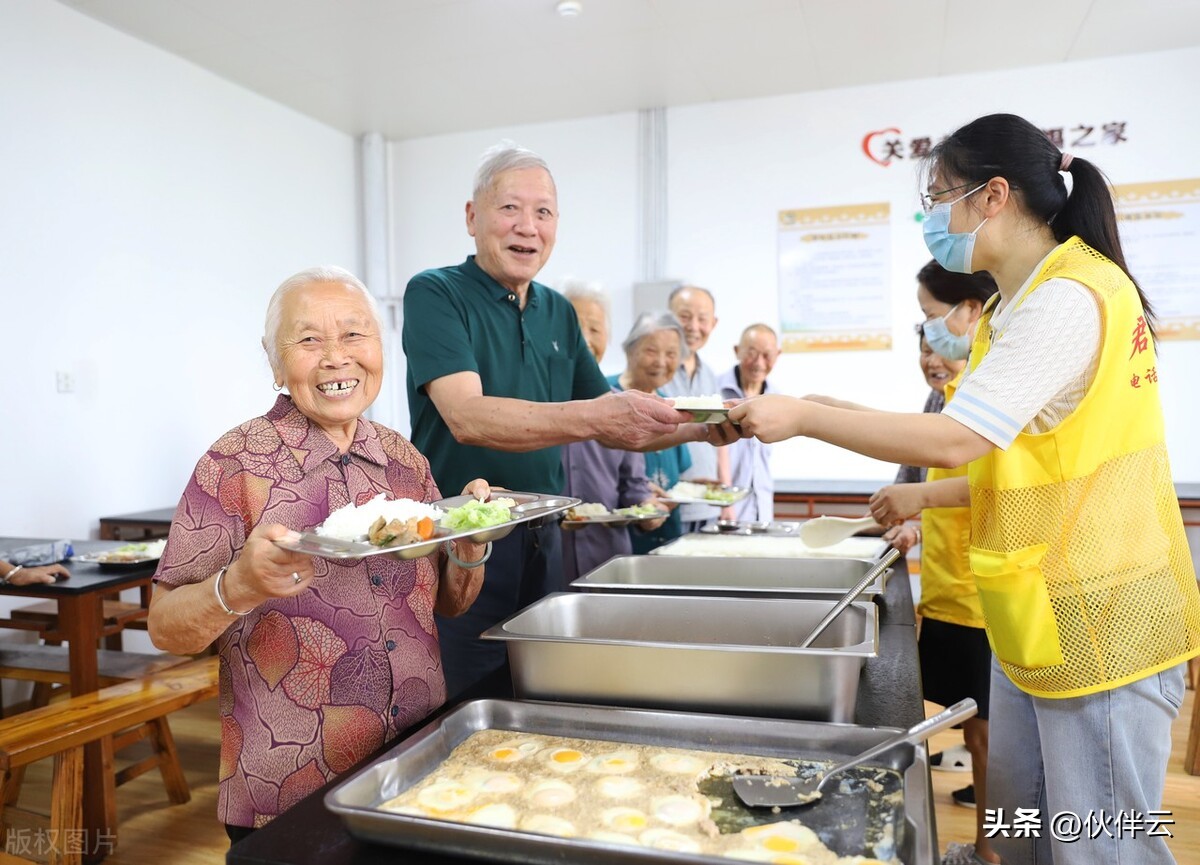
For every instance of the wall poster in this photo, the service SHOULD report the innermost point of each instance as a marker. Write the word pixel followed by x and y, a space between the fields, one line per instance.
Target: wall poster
pixel 1160 232
pixel 834 273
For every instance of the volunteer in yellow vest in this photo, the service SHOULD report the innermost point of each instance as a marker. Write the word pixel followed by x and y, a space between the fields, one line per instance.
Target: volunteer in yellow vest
pixel 956 660
pixel 1077 543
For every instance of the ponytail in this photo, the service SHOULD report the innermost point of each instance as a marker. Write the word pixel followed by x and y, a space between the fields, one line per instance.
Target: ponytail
pixel 1089 213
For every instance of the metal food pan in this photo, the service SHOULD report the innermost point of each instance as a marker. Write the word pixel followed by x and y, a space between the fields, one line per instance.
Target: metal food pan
pixel 823 579
pixel 695 653
pixel 356 800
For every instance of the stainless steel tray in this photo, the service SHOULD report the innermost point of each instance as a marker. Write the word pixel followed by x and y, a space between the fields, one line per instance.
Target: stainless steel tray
pixel 737 493
pixel 530 506
pixel 694 653
pixel 356 799
pixel 826 579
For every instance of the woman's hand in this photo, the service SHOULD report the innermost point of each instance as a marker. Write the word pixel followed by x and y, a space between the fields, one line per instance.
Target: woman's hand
pixel 41 574
pixel 896 503
pixel 480 489
pixel 266 571
pixel 652 525
pixel 903 537
pixel 770 418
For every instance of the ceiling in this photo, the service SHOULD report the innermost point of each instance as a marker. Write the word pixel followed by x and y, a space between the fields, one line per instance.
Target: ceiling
pixel 410 68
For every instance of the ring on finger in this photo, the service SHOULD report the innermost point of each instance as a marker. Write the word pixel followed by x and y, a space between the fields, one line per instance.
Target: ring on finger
pixel 296 578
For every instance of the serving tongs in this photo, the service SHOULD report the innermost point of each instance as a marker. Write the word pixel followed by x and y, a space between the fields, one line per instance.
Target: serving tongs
pixel 857 589
pixel 781 791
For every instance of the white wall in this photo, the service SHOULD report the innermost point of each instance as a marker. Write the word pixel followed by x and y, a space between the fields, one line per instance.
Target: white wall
pixel 733 165
pixel 148 211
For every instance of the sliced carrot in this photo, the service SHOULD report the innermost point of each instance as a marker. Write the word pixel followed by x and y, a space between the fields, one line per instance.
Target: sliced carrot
pixel 425 528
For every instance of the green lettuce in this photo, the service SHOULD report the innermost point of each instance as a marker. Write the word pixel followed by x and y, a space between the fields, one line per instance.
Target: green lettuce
pixel 478 515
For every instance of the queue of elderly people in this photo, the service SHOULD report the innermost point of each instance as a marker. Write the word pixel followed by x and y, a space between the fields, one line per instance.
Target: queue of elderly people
pixel 612 477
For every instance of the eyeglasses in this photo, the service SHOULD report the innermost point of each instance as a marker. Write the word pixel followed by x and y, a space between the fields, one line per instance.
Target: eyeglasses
pixel 750 355
pixel 927 198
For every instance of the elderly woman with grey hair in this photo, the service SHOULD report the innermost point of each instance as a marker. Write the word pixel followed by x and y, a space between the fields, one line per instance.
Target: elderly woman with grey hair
pixel 612 477
pixel 653 350
pixel 322 660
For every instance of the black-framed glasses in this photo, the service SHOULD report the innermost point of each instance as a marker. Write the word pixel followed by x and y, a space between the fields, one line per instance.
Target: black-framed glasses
pixel 927 198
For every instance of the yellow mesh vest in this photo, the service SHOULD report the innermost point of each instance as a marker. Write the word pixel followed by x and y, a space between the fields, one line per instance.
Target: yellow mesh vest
pixel 1078 547
pixel 948 592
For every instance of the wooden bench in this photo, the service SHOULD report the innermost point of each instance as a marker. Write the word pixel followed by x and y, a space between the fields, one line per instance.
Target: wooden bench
pixel 115 617
pixel 47 666
pixel 62 729
pixel 37 663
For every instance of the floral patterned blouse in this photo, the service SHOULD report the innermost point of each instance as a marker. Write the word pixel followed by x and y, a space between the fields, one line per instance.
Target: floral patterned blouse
pixel 313 683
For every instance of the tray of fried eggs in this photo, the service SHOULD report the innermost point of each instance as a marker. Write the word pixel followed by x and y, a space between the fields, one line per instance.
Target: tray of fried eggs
pixel 520 781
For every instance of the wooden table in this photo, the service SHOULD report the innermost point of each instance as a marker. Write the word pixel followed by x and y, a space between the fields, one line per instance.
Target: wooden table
pixel 79 606
pixel 137 526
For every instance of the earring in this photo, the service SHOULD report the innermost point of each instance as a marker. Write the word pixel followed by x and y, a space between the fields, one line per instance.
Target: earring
pixel 276 386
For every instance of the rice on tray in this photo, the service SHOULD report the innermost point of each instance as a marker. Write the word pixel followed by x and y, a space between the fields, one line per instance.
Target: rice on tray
pixel 351 522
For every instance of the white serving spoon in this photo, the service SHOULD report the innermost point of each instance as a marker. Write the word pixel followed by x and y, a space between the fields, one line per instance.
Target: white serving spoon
pixel 827 531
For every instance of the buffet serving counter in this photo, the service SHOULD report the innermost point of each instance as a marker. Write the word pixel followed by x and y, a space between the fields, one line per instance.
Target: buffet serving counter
pixel 889 695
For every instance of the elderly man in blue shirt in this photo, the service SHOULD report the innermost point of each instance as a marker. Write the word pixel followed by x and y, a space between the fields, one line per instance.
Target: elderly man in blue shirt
pixel 750 459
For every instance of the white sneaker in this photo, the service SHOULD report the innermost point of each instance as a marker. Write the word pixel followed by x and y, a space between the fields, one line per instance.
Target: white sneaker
pixel 956 759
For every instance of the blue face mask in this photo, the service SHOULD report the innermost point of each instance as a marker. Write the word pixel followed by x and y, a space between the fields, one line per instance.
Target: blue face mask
pixel 949 345
pixel 952 251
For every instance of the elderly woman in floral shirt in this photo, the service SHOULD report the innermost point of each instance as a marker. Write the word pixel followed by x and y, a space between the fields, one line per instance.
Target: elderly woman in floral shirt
pixel 322 661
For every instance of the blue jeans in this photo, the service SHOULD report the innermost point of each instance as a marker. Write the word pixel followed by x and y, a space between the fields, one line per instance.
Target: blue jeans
pixel 524 567
pixel 1104 752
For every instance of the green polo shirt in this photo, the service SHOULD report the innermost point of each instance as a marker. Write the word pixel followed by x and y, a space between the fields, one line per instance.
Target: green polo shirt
pixel 459 319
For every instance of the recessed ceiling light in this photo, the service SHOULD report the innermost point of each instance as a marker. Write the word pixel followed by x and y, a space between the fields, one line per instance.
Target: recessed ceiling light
pixel 568 8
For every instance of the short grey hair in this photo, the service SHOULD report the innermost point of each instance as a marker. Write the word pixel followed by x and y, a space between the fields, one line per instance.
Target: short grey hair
pixel 579 289
pixel 327 273
pixel 680 289
pixel 504 156
pixel 652 322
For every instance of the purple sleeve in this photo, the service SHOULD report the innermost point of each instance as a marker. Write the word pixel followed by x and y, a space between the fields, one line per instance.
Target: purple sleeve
pixel 632 484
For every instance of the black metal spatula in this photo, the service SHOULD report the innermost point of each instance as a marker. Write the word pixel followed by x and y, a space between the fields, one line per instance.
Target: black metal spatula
pixel 781 791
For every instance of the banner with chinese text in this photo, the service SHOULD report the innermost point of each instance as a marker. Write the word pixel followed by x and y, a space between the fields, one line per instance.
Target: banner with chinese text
pixel 834 272
pixel 1160 232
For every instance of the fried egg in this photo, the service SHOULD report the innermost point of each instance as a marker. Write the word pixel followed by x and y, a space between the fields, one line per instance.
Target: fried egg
pixel 498 815
pixel 614 763
pixel 395 807
pixel 680 810
pixel 517 749
pixel 618 787
pixel 678 764
pixel 624 819
pixel 547 824
pixel 445 795
pixel 782 838
pixel 487 781
pixel 665 839
pixel 551 793
pixel 566 760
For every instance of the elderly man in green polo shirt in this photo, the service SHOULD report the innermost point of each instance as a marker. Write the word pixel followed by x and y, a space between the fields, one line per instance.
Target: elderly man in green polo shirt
pixel 499 376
